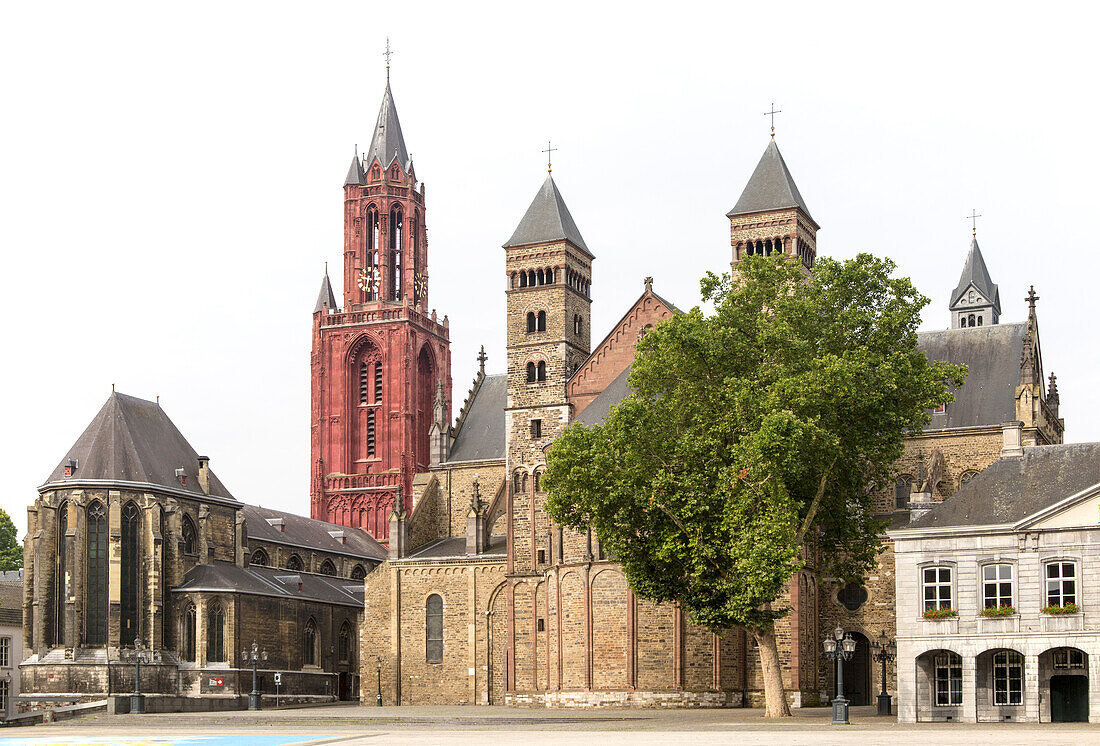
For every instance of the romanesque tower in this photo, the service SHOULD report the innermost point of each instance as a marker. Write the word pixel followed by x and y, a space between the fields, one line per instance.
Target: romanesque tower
pixel 377 362
pixel 771 214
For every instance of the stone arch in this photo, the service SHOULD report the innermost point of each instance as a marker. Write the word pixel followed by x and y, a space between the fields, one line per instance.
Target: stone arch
pixel 574 653
pixel 610 643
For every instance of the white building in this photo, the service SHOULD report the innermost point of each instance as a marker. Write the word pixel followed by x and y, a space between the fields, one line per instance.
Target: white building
pixel 11 639
pixel 1024 534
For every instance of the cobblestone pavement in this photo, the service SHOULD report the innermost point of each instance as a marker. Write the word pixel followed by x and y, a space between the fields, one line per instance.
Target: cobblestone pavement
pixel 414 726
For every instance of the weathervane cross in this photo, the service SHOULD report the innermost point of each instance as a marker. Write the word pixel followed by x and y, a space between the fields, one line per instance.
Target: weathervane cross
pixel 387 54
pixel 549 151
pixel 772 114
pixel 973 218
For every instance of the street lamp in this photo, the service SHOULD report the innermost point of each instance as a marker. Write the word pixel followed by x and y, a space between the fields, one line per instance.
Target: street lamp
pixel 140 654
pixel 885 650
pixel 255 655
pixel 839 648
pixel 378 661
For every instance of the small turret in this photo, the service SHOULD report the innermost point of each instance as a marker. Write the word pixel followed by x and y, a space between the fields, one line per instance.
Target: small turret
pixel 976 300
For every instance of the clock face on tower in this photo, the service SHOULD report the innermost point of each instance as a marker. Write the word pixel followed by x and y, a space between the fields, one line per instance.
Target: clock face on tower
pixel 420 286
pixel 368 280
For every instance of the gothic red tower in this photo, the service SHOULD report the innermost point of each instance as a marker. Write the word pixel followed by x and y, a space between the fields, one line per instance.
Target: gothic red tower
pixel 378 362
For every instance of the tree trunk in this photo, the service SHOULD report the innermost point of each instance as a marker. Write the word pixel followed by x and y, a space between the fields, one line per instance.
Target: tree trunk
pixel 775 698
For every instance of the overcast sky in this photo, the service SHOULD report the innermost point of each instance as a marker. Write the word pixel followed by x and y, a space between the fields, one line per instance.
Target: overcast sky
pixel 170 182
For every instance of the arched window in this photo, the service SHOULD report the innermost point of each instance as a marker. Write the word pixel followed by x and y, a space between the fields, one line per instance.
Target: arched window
pixel 549 275
pixel 966 477
pixel 902 488
pixel 259 557
pixel 215 634
pixel 395 253
pixel 189 544
pixel 327 568
pixel 433 629
pixel 187 634
pixel 542 370
pixel 576 324
pixel 131 562
pixel 530 278
pixel 344 641
pixel 970 320
pixel 310 643
pixel 364 383
pixel 542 321
pixel 540 278
pixel 530 322
pixel 62 576
pixel 371 270
pixel 523 279
pixel 358 573
pixel 531 373
pixel 294 563
pixel 95 613
pixel 979 320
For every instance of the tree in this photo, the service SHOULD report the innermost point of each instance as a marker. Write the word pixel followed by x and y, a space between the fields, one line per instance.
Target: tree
pixel 11 554
pixel 753 441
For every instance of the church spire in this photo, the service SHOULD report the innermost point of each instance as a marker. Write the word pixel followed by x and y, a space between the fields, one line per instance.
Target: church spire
pixel 976 300
pixel 546 220
pixel 326 297
pixel 388 144
pixel 770 188
pixel 355 176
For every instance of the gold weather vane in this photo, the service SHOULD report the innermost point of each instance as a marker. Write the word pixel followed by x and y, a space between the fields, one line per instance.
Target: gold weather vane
pixel 973 218
pixel 387 54
pixel 549 151
pixel 772 114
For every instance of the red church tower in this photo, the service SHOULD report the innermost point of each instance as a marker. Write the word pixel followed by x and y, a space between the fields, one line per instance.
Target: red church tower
pixel 381 365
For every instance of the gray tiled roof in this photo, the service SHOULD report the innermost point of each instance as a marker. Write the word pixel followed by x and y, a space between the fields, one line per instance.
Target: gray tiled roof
pixel 988 397
pixel 326 297
pixel 132 440
pixel 355 173
pixel 598 409
pixel 481 436
pixel 11 602
pixel 309 533
pixel 547 219
pixel 271 581
pixel 977 274
pixel 455 546
pixel 1012 489
pixel 771 187
pixel 387 142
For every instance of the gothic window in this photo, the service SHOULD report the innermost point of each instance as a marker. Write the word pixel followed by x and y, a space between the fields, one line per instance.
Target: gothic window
pixel 1061 583
pixel 542 321
pixel 948 679
pixel 131 561
pixel 371 434
pixel 345 642
pixel 531 373
pixel 541 371
pixel 294 563
pixel 433 629
pixel 310 643
pixel 358 573
pixel 902 489
pixel 364 383
pixel 187 634
pixel 1008 678
pixel 95 614
pixel 62 574
pixel 259 557
pixel 215 634
pixel 966 477
pixel 395 253
pixel 530 322
pixel 378 382
pixel 327 568
pixel 852 596
pixel 190 546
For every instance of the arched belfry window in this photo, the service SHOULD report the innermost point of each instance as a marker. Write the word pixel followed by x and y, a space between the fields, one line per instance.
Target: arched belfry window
pixel 190 545
pixel 187 634
pixel 372 433
pixel 215 634
pixel 364 383
pixel 131 563
pixel 62 574
pixel 531 322
pixel 378 382
pixel 395 253
pixel 542 321
pixel 309 642
pixel 95 614
pixel 523 279
pixel 433 629
pixel 371 268
pixel 531 372
pixel 541 372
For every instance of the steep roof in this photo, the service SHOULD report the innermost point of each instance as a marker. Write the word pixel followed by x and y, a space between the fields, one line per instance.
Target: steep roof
pixel 326 297
pixel 309 533
pixel 132 440
pixel 496 547
pixel 11 599
pixel 355 173
pixel 977 274
pixel 388 143
pixel 771 187
pixel 547 219
pixel 1014 488
pixel 988 397
pixel 481 435
pixel 272 581
pixel 598 409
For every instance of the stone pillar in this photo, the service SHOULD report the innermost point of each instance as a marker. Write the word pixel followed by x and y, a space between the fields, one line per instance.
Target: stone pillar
pixel 240 554
pixel 204 535
pixel 906 705
pixel 76 551
pixel 31 581
pixel 114 569
pixel 1094 686
pixel 1031 688
pixel 151 625
pixel 970 688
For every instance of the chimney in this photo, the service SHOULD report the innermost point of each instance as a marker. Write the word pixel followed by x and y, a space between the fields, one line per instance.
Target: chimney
pixel 475 523
pixel 204 474
pixel 920 503
pixel 1013 435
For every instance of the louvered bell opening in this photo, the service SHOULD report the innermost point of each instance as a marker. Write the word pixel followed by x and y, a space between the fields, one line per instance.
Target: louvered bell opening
pixel 378 383
pixel 370 433
pixel 364 383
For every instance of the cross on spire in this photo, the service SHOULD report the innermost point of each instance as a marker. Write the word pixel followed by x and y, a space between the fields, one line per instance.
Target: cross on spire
pixel 1031 298
pixel 772 114
pixel 973 218
pixel 387 54
pixel 549 151
pixel 481 358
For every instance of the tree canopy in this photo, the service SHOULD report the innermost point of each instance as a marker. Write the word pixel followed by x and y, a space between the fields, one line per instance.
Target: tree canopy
pixel 11 553
pixel 754 439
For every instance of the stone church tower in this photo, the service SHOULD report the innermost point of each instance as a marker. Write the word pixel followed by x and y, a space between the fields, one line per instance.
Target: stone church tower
pixel 378 362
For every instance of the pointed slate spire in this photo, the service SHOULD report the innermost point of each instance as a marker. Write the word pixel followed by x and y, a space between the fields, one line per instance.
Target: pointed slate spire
pixel 356 177
pixel 326 297
pixel 547 219
pixel 771 187
pixel 975 273
pixel 388 143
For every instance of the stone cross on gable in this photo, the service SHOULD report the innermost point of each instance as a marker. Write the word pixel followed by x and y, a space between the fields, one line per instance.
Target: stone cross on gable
pixel 1031 298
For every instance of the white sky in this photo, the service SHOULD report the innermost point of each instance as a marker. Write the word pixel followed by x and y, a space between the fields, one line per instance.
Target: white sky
pixel 170 182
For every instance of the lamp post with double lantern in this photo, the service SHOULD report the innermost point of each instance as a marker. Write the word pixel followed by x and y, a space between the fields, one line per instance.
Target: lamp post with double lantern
pixel 839 648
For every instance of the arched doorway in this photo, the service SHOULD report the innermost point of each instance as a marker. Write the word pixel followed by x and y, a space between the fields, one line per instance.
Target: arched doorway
pixel 1068 684
pixel 857 673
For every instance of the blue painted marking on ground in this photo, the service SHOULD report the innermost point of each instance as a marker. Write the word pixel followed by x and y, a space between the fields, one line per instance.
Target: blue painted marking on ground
pixel 137 740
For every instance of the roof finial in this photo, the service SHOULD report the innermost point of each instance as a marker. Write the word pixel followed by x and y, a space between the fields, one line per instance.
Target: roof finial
pixel 481 358
pixel 772 114
pixel 549 151
pixel 326 269
pixel 649 284
pixel 112 388
pixel 387 54
pixel 1031 298
pixel 973 218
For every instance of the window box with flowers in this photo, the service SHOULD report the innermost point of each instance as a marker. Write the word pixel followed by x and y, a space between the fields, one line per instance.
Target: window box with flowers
pixel 1065 617
pixel 1062 610
pixel 998 620
pixel 940 620
pixel 940 612
pixel 998 611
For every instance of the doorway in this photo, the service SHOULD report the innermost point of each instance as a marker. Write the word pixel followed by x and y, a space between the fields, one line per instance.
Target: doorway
pixel 857 673
pixel 1069 699
pixel 342 686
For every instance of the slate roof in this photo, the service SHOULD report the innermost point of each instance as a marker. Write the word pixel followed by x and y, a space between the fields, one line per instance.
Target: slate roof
pixel 598 409
pixel 271 581
pixel 455 547
pixel 481 435
pixel 309 533
pixel 356 176
pixel 326 297
pixel 132 440
pixel 11 599
pixel 771 187
pixel 547 219
pixel 1014 488
pixel 993 354
pixel 387 142
pixel 977 274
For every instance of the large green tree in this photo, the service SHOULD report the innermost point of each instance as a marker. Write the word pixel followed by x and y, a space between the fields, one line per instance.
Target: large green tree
pixel 753 441
pixel 11 554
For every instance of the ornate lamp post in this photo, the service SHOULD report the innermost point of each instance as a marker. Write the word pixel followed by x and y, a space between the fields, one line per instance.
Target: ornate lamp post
pixel 140 654
pixel 378 661
pixel 839 648
pixel 255 655
pixel 885 650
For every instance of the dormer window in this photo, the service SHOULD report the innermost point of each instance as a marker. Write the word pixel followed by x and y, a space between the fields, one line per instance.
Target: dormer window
pixel 70 467
pixel 181 477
